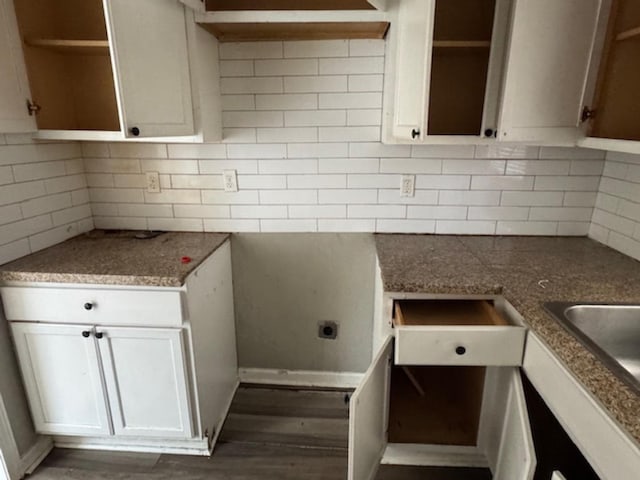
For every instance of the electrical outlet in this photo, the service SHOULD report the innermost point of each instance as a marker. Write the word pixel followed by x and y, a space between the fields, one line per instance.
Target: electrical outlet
pixel 153 182
pixel 230 180
pixel 408 186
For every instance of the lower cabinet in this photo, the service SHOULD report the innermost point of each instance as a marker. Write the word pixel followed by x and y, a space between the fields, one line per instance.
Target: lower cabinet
pixel 446 400
pixel 85 380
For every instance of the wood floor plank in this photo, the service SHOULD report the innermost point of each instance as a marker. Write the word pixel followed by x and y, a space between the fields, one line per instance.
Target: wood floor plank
pixel 398 472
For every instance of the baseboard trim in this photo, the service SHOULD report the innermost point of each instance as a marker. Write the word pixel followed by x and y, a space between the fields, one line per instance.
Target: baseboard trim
pixel 173 447
pixel 36 454
pixel 300 378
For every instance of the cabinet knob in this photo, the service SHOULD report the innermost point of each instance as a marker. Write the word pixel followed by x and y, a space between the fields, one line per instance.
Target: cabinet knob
pixel 86 334
pixel 461 350
pixel 88 306
pixel 135 131
pixel 415 133
pixel 99 335
pixel 489 132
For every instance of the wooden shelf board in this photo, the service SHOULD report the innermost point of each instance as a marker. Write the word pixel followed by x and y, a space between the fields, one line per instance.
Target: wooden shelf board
pixel 633 32
pixel 252 32
pixel 461 44
pixel 84 47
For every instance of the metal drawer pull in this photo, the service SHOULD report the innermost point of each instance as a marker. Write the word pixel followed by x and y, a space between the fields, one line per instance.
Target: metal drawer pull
pixel 86 334
pixel 88 306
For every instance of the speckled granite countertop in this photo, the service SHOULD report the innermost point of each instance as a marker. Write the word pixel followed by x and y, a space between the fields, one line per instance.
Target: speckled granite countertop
pixel 116 258
pixel 576 269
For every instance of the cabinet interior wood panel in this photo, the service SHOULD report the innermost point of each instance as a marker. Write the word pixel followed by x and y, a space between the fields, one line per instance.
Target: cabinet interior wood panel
pixel 447 312
pixel 459 71
pixel 219 5
pixel 74 88
pixel 252 32
pixel 447 412
pixel 618 98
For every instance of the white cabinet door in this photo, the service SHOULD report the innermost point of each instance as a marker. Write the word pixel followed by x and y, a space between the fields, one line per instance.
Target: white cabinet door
pixel 14 85
pixel 413 68
pixel 61 372
pixel 368 416
pixel 151 64
pixel 146 380
pixel 548 62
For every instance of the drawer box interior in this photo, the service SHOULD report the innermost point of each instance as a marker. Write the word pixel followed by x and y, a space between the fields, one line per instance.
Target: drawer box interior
pixel 447 313
pixel 435 405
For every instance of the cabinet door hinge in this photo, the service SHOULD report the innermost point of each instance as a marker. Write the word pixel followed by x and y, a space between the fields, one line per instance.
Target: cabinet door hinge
pixel 33 108
pixel 588 113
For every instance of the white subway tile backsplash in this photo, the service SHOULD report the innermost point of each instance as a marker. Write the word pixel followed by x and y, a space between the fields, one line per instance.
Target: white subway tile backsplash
pixel 587 167
pixel 350 100
pixel 287 67
pixel 437 212
pixel 287 101
pixel 39 206
pixel 348 134
pixel 317 211
pixel 538 167
pixel 580 199
pixel 317 181
pixel 475 167
pixel 257 151
pixel 24 228
pixel 137 150
pixel 349 165
pixel 246 85
pixel 170 166
pixel 69 215
pixel 195 151
pixel 377 211
pixel 239 135
pixel 287 134
pixel 533 199
pixel 410 165
pixel 526 228
pixel 315 118
pixel 65 184
pixel 236 68
pixel 111 165
pixel 6 175
pixel 365 117
pixel 218 166
pixel 288 197
pixel 583 184
pixel 100 180
pixel 182 224
pixel 251 50
pixel 579 229
pixel 292 165
pixel 420 197
pixel 457 227
pixel 316 84
pixel 124 223
pixel 258 211
pixel 232 103
pixel 347 196
pixel 95 150
pixel 252 119
pixel 366 47
pixel 217 197
pixel 469 197
pixel 12 213
pixel 116 195
pixel 442 151
pixel 318 150
pixel 494 182
pixel 197 181
pixel 14 250
pixel 316 49
pixel 377 149
pixel 384 225
pixel 359 65
pixel 374 181
pixel 570 152
pixel 231 225
pixel 498 213
pixel 262 182
pixel 506 151
pixel 202 211
pixel 443 182
pixel 366 83
pixel 137 210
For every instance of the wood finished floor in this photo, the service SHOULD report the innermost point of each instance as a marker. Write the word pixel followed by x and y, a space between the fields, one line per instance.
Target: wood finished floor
pixel 270 434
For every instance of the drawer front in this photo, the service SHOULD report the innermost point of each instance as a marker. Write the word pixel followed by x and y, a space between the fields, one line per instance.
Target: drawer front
pixel 459 345
pixel 93 306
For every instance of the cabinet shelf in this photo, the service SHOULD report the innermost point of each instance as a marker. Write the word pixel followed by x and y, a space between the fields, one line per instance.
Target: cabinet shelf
pixel 632 32
pixel 462 44
pixel 79 47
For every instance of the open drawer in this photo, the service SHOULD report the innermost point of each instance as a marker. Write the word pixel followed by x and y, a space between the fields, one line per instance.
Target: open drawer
pixel 393 422
pixel 455 332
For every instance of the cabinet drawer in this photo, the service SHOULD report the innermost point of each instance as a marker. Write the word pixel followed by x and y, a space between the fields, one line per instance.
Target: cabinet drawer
pixel 93 306
pixel 443 332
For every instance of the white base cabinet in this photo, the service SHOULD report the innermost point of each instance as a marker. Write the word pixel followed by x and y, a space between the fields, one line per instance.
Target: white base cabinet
pixel 129 384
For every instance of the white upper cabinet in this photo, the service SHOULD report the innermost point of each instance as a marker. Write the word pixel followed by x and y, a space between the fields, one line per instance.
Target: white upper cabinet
pixel 151 61
pixel 443 73
pixel 14 86
pixel 107 70
pixel 549 57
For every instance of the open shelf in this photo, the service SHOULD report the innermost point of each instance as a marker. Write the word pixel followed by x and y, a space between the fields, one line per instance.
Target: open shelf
pixel 632 32
pixel 82 47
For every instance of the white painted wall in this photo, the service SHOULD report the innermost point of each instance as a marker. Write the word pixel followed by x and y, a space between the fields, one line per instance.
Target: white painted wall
pixel 616 218
pixel 302 128
pixel 284 284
